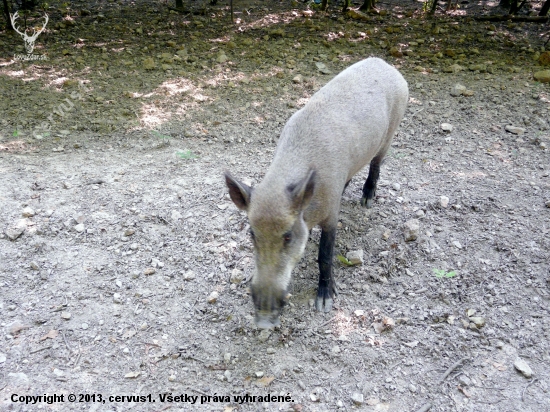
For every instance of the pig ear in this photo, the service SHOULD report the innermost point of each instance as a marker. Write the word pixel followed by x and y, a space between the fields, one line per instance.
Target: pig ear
pixel 238 191
pixel 301 194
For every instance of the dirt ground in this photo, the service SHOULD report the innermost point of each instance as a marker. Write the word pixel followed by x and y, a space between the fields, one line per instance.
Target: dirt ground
pixel 117 228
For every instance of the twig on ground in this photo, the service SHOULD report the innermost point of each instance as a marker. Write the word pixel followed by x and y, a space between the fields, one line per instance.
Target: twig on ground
pixel 326 323
pixel 77 358
pixel 450 370
pixel 426 407
pixel 525 389
pixel 40 349
pixel 66 343
pixel 197 390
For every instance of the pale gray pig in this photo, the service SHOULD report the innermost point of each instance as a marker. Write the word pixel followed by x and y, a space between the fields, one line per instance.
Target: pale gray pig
pixel 346 125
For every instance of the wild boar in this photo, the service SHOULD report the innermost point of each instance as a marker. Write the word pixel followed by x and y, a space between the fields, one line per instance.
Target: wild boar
pixel 346 125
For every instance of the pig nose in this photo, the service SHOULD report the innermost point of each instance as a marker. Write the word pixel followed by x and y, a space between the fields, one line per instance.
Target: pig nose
pixel 269 305
pixel 266 320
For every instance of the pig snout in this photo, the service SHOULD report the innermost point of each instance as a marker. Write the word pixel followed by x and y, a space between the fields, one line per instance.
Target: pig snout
pixel 269 304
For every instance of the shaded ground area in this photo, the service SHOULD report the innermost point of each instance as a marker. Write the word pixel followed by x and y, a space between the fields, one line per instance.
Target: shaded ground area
pixel 123 229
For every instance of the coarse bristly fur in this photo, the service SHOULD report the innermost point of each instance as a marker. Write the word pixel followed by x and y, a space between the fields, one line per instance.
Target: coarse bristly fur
pixel 346 125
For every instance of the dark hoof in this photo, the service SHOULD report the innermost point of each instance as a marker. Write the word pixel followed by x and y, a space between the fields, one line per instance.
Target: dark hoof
pixel 368 203
pixel 324 300
pixel 323 304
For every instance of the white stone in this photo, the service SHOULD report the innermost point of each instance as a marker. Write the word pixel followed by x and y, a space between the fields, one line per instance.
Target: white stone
pixel 28 212
pixel 357 398
pixel 355 257
pixel 458 89
pixel 515 129
pixel 411 229
pixel 446 127
pixel 523 367
pixel 213 297
pixel 14 231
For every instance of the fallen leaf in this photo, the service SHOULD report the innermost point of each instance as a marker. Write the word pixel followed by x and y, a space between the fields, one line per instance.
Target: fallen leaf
pixel 371 340
pixel 265 381
pixel 372 401
pixel 128 334
pixel 52 334
pixel 383 324
pixel 499 366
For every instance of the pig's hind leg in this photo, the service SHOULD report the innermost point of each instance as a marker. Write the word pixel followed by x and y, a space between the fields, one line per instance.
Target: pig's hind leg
pixel 369 188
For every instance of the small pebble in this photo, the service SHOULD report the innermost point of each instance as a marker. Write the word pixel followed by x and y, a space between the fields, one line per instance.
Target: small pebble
pixel 464 380
pixel 237 276
pixel 213 297
pixel 478 321
pixel 523 367
pixel 227 375
pixel 65 315
pixel 357 398
pixel 117 298
pixel 189 275
pixel 443 201
pixel 411 229
pixel 28 212
pixel 264 335
pixel 515 129
pixel 355 257
pixel 446 127
pixel 14 231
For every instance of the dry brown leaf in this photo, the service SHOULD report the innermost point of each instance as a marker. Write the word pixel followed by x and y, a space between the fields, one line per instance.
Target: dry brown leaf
pixel 499 366
pixel 128 334
pixel 371 340
pixel 384 324
pixel 52 334
pixel 264 382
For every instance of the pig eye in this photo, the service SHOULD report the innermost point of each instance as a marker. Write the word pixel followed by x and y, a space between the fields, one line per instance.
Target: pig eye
pixel 287 238
pixel 252 235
